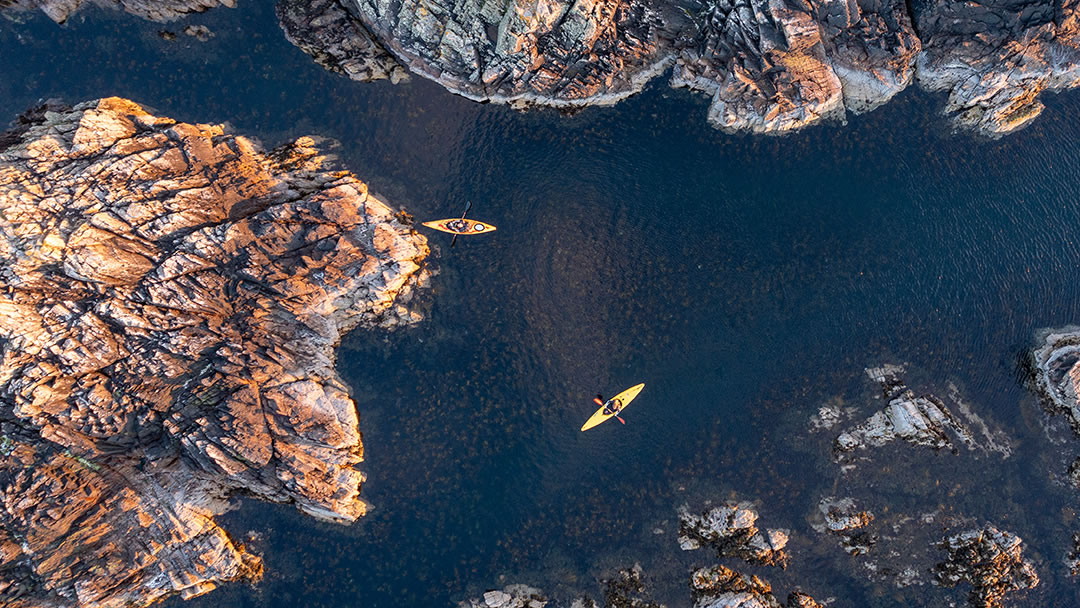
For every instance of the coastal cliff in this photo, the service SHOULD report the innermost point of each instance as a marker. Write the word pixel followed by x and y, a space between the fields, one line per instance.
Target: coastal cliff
pixel 170 301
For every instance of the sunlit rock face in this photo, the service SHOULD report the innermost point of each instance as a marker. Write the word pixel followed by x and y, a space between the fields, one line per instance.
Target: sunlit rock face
pixel 155 10
pixel 170 298
pixel 996 57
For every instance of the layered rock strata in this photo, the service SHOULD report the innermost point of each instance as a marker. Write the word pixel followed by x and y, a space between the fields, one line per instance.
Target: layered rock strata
pixel 171 300
pixel 730 529
pixel 991 561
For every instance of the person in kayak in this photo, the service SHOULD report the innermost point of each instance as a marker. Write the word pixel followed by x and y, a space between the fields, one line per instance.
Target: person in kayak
pixel 459 226
pixel 611 406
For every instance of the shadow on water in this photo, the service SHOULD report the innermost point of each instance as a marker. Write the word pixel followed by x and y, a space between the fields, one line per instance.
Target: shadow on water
pixel 746 280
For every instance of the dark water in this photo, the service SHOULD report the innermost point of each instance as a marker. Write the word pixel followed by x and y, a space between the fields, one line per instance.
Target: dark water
pixel 746 280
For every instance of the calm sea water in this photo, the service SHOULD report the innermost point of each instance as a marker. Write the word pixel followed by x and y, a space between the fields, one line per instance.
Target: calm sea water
pixel 746 280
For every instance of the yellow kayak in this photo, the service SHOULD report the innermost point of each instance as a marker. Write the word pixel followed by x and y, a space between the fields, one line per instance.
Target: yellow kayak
pixel 460 226
pixel 620 402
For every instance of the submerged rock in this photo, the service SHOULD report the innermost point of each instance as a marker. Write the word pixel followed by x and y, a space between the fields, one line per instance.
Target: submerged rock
pixel 991 561
pixel 843 518
pixel 730 530
pixel 919 420
pixel 170 301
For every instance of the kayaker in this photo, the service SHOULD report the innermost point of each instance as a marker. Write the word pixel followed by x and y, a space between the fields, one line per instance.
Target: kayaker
pixel 460 226
pixel 612 407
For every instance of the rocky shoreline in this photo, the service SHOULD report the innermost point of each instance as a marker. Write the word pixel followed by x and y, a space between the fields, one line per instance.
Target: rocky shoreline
pixel 171 300
pixel 769 67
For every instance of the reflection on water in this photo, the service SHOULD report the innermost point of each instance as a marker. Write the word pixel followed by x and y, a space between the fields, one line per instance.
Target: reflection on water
pixel 745 280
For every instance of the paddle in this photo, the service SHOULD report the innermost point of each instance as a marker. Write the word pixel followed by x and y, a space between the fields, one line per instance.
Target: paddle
pixel 468 205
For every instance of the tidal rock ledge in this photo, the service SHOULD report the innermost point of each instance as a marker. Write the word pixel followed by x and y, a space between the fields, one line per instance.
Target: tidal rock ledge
pixel 170 301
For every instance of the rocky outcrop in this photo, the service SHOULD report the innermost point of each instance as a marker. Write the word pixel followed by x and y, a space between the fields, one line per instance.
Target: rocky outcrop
pixel 769 66
pixel 995 57
pixel 730 529
pixel 336 40
pixel 991 561
pixel 170 301
pixel 155 10
pixel 919 420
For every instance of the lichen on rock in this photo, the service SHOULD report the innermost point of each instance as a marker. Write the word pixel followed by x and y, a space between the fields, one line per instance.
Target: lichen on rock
pixel 170 301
